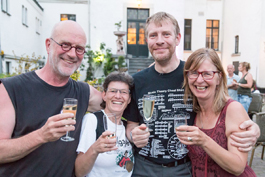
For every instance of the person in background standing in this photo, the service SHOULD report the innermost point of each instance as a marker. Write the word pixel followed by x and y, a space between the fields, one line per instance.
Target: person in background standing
pixel 254 88
pixel 231 78
pixel 244 85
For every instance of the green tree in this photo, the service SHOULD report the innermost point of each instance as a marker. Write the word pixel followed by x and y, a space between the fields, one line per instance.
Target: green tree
pixel 105 57
pixel 26 63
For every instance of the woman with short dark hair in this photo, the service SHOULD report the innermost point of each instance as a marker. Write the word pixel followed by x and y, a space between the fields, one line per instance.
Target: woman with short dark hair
pixel 92 159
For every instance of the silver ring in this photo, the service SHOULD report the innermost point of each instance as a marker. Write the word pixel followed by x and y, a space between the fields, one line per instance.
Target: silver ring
pixel 189 138
pixel 106 145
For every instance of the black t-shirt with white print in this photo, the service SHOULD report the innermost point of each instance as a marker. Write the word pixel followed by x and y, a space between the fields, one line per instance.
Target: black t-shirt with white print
pixel 169 105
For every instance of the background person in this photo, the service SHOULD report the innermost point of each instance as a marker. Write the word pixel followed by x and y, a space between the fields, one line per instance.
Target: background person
pixel 30 106
pixel 232 78
pixel 254 88
pixel 91 160
pixel 244 85
pixel 218 116
pixel 154 155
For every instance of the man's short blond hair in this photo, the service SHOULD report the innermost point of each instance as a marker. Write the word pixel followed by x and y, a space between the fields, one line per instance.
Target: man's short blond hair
pixel 160 17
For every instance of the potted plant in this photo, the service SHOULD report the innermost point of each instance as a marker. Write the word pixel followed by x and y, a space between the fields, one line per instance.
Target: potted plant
pixel 119 41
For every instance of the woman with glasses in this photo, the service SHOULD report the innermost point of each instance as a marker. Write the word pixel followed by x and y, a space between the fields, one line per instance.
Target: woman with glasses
pixel 244 85
pixel 218 116
pixel 93 159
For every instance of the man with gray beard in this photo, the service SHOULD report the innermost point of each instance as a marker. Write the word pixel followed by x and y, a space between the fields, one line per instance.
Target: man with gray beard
pixel 30 106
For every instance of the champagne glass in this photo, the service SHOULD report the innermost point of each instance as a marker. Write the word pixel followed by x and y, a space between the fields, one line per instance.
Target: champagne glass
pixel 69 106
pixel 178 121
pixel 148 108
pixel 110 124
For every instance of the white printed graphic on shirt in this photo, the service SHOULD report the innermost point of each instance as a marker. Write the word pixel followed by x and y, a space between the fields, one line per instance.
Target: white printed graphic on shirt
pixel 163 141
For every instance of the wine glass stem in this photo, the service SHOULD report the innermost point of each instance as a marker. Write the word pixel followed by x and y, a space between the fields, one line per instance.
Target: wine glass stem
pixel 67 134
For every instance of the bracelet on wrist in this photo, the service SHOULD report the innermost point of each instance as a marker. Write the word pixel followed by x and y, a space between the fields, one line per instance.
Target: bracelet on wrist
pixel 131 136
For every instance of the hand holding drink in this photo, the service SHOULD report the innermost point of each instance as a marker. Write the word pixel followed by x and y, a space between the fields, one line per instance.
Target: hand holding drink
pixel 69 106
pixel 178 121
pixel 110 124
pixel 148 108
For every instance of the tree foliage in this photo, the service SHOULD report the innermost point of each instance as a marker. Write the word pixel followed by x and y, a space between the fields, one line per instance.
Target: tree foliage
pixel 105 57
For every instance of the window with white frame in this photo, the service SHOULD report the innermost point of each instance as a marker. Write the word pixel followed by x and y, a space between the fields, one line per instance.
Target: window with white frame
pixel 236 44
pixel 5 6
pixel 24 16
pixel 212 34
pixel 8 67
pixel 26 68
pixel 187 34
pixel 68 17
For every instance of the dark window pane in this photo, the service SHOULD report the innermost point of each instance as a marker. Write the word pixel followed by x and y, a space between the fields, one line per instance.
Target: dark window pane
pixel 68 17
pixel 132 13
pixel 236 44
pixel 187 35
pixel 143 14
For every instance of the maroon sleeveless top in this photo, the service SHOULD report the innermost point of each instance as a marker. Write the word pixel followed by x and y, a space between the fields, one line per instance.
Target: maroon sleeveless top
pixel 198 156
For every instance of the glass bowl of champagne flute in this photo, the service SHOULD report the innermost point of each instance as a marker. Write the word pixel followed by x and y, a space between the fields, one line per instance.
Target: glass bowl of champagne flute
pixel 69 106
pixel 110 124
pixel 148 108
pixel 178 121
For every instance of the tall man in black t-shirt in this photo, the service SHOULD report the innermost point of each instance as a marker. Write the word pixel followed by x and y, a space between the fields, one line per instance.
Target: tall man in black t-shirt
pixel 156 151
pixel 30 105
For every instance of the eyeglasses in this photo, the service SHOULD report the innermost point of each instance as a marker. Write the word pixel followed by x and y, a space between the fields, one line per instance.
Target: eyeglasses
pixel 207 75
pixel 122 91
pixel 67 47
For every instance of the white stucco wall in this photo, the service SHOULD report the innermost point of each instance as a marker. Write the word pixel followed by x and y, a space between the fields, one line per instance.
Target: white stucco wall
pixel 105 13
pixel 261 63
pixel 244 20
pixel 16 37
pixel 237 17
pixel 52 15
pixel 199 11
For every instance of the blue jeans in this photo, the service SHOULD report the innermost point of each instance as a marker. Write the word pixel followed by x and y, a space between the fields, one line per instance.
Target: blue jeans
pixel 244 100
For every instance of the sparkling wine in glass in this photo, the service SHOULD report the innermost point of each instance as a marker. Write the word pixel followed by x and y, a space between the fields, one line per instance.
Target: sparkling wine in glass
pixel 178 121
pixel 69 106
pixel 148 108
pixel 110 124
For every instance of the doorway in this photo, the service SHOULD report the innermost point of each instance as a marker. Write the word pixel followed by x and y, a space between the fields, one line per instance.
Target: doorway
pixel 136 44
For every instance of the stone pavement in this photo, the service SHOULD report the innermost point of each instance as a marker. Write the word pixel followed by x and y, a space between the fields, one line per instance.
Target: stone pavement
pixel 258 165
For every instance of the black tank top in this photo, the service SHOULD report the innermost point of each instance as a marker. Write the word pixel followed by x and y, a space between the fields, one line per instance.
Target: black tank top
pixel 243 90
pixel 34 102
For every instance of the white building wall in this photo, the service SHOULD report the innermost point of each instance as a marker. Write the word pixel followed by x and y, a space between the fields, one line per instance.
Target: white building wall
pixel 199 11
pixel 16 38
pixel 246 22
pixel 105 13
pixel 52 15
pixel 261 63
pixel 97 17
